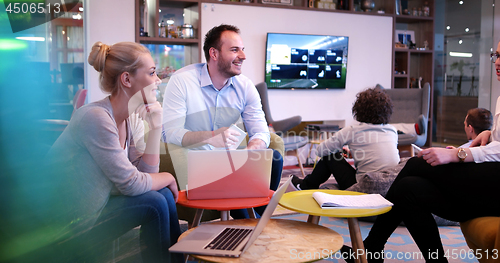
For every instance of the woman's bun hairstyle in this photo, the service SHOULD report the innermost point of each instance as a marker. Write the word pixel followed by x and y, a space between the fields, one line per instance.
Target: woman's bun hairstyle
pixel 97 56
pixel 112 61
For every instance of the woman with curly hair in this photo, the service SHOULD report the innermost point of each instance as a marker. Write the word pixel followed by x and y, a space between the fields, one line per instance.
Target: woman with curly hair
pixel 372 143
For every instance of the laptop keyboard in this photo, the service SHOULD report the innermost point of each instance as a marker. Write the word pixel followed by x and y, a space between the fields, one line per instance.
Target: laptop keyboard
pixel 229 239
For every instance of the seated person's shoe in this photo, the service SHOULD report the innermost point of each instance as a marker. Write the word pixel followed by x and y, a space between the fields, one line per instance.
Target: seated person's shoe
pixel 350 256
pixel 347 254
pixel 296 181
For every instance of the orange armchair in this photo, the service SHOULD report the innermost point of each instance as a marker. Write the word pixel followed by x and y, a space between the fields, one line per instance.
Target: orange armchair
pixel 483 236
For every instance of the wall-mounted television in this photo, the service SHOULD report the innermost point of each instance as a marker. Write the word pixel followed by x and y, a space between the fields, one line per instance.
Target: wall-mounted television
pixel 299 61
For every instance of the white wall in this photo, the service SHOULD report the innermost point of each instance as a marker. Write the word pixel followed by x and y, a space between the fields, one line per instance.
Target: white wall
pixel 369 56
pixel 108 21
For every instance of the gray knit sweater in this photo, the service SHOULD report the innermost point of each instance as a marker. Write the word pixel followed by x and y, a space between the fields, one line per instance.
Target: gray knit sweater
pixel 89 164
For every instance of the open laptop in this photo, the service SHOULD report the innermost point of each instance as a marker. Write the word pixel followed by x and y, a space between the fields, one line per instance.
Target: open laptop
pixel 227 240
pixel 219 174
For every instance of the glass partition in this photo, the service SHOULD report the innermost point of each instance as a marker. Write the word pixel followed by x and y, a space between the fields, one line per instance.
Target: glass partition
pixel 462 69
pixel 40 72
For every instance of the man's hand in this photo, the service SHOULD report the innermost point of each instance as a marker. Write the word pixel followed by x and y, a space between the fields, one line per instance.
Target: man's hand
pixel 482 139
pixel 224 137
pixel 256 144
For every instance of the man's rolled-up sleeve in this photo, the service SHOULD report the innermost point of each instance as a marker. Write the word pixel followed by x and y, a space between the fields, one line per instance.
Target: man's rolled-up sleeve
pixel 174 112
pixel 255 119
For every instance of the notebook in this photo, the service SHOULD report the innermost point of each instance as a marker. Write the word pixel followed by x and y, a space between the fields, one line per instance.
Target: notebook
pixel 226 240
pixel 219 174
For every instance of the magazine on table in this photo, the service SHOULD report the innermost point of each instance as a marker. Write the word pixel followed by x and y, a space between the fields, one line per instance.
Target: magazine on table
pixel 330 201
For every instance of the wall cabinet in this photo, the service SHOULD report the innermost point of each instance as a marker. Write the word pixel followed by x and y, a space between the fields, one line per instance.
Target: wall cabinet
pixel 408 64
pixel 165 15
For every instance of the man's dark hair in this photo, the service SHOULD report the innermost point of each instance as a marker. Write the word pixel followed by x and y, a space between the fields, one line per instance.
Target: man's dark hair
pixel 212 38
pixel 480 119
pixel 372 106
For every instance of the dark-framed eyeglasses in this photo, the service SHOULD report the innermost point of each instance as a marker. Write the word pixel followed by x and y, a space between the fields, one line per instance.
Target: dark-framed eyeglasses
pixel 494 57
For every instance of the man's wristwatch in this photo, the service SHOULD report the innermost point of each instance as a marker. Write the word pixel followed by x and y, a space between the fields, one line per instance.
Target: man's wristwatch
pixel 462 154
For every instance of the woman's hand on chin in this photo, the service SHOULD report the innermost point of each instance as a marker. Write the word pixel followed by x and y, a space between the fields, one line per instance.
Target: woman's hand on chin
pixel 152 114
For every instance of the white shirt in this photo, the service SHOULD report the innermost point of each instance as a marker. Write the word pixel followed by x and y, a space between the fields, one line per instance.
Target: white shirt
pixel 373 146
pixel 192 103
pixel 490 152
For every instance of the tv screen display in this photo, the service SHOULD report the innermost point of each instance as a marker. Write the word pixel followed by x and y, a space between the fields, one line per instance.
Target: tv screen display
pixel 297 61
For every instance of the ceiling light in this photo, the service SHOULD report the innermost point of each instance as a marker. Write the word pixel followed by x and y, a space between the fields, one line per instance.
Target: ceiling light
pixel 460 54
pixel 448 27
pixel 461 2
pixel 460 41
pixel 31 38
pixel 159 10
pixel 466 29
pixel 12 44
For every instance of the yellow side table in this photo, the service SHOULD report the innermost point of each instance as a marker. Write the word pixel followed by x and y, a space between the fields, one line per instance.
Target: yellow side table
pixel 303 202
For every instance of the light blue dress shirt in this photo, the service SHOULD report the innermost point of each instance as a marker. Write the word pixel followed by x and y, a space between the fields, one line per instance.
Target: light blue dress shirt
pixel 192 103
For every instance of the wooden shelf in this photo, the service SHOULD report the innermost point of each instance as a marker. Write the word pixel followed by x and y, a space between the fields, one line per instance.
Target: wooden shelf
pixel 413 62
pixel 416 51
pixel 168 41
pixel 178 3
pixel 412 19
pixel 412 51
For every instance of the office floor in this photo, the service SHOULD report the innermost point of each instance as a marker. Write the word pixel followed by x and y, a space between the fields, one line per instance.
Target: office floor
pixel 400 244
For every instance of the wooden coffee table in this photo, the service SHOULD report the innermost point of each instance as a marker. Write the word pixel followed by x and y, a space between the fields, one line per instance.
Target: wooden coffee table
pixel 303 202
pixel 287 241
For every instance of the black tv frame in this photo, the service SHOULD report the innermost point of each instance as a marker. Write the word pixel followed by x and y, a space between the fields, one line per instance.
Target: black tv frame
pixel 320 64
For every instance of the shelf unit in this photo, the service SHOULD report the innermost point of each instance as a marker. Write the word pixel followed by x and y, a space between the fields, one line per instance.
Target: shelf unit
pixel 414 63
pixel 190 10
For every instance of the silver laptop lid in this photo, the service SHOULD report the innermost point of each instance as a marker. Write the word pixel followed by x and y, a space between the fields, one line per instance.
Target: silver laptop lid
pixel 218 174
pixel 273 203
pixel 197 241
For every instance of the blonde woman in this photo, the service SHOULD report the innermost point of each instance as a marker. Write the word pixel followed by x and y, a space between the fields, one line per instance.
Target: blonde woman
pixel 111 176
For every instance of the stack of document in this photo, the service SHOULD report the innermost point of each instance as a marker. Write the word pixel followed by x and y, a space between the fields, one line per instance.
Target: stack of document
pixel 329 201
